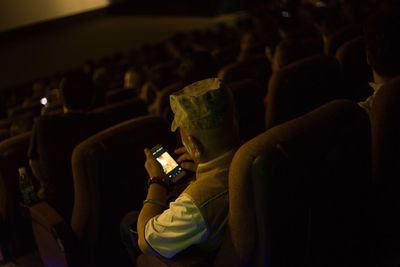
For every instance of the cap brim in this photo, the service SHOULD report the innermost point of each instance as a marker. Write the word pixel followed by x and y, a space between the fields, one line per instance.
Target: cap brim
pixel 174 125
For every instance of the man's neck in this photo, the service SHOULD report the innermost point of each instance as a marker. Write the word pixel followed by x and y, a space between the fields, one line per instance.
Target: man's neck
pixel 216 152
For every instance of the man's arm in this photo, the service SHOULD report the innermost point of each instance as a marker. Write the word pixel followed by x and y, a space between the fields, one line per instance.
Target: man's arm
pixel 157 193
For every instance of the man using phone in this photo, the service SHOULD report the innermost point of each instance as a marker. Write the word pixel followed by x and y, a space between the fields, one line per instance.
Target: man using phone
pixel 205 116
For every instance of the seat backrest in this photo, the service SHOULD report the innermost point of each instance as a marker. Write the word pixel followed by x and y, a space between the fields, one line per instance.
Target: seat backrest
pixel 115 96
pixel 110 180
pixel 18 232
pixel 303 86
pixel 249 95
pixel 124 110
pixel 162 107
pixel 56 137
pixel 296 191
pixel 226 55
pixel 385 116
pixel 357 73
pixel 257 68
pixel 340 37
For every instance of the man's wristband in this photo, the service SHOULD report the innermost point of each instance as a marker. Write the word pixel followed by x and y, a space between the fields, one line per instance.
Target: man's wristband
pixel 158 180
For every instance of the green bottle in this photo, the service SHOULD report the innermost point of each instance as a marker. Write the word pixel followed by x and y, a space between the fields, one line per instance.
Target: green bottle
pixel 28 193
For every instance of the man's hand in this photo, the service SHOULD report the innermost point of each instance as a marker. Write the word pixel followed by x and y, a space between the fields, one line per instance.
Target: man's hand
pixel 153 167
pixel 185 160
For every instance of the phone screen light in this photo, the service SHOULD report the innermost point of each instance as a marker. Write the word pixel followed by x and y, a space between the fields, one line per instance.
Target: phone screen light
pixel 43 101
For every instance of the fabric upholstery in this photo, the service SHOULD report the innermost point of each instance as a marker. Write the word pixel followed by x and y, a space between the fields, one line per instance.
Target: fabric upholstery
pixel 109 181
pixel 122 111
pixel 302 178
pixel 340 37
pixel 257 68
pixel 385 116
pixel 226 55
pixel 357 73
pixel 303 86
pixel 56 137
pixel 17 226
pixel 116 96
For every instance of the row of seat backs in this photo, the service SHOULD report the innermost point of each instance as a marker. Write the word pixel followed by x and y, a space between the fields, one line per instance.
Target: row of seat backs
pixel 306 84
pixel 303 86
pixel 331 142
pixel 17 231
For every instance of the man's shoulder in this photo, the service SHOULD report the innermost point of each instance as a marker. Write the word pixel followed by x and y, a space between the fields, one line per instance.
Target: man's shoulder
pixel 205 191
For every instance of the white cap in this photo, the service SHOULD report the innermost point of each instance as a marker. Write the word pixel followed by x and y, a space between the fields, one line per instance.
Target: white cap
pixel 201 105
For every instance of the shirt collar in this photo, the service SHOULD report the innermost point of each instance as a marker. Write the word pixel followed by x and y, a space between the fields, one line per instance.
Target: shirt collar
pixel 376 86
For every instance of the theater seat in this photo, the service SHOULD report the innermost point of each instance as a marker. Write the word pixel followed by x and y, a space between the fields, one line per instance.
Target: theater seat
pixel 17 227
pixel 161 103
pixel 303 86
pixel 341 36
pixel 56 137
pixel 124 110
pixel 257 68
pixel 109 181
pixel 385 115
pixel 115 96
pixel 296 193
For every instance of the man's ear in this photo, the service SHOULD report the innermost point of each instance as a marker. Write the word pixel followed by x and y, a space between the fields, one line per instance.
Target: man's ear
pixel 196 147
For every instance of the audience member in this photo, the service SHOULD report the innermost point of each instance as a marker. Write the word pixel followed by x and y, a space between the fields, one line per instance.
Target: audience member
pixel 54 138
pixel 205 116
pixel 38 92
pixel 133 79
pixel 383 53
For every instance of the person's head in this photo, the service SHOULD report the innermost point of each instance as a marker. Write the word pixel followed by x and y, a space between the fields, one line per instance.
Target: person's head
pixel 206 118
pixel 77 92
pixel 197 66
pixel 383 44
pixel 132 79
pixel 38 89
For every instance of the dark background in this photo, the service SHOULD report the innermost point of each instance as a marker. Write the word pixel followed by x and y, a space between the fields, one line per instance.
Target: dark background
pixel 39 50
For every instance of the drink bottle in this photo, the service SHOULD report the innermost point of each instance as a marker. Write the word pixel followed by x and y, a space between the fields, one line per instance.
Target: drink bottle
pixel 26 186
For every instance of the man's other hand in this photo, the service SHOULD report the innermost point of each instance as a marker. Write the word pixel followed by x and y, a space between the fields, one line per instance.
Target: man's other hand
pixel 185 160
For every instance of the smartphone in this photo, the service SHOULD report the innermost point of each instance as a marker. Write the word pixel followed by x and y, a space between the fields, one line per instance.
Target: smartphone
pixel 171 168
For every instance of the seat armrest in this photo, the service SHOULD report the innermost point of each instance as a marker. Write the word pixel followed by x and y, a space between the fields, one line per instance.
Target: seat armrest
pixel 184 259
pixel 56 241
pixel 43 214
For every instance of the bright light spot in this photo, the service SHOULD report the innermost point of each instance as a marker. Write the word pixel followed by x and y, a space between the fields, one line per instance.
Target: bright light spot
pixel 43 101
pixel 320 4
pixel 285 14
